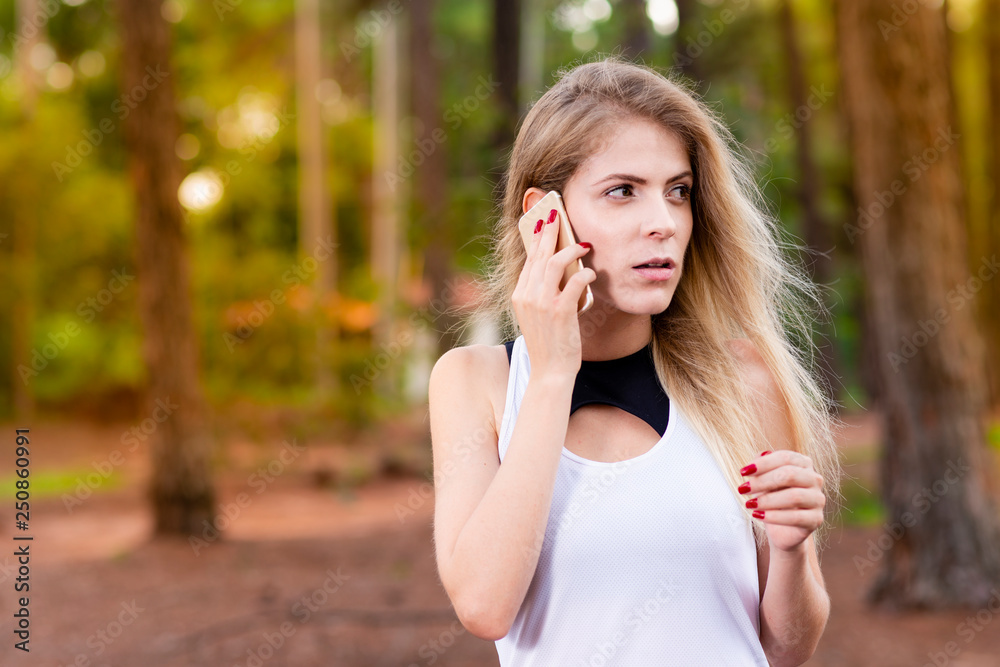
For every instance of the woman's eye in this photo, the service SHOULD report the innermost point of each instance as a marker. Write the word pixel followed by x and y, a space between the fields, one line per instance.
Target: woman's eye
pixel 681 191
pixel 625 189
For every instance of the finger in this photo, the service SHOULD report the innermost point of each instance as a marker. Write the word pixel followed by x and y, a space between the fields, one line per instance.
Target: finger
pixel 536 242
pixel 556 268
pixel 788 499
pixel 550 237
pixel 806 519
pixel 779 478
pixel 531 252
pixel 550 232
pixel 771 460
pixel 572 252
pixel 575 286
pixel 546 247
pixel 524 280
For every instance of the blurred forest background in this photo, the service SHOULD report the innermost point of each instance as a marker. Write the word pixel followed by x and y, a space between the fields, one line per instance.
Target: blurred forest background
pixel 232 224
pixel 69 218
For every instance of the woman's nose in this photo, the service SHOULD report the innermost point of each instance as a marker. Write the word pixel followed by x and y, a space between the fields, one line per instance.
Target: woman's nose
pixel 660 219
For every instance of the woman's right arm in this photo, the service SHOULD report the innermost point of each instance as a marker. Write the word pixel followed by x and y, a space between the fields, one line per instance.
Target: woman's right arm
pixel 490 519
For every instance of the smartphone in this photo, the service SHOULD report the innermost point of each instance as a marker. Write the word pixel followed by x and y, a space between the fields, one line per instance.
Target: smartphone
pixel 526 225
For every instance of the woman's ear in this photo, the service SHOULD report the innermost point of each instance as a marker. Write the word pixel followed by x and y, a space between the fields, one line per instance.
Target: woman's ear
pixel 531 197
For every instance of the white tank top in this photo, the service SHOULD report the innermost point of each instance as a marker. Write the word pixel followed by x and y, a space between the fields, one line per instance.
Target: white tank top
pixel 647 561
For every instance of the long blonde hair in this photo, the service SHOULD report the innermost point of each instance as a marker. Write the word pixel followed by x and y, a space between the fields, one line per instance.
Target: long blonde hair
pixel 737 281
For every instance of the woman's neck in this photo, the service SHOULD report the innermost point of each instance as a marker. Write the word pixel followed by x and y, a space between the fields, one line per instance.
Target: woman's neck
pixel 613 335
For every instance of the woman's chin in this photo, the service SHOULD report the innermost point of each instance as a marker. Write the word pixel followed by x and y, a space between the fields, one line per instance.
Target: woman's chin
pixel 645 305
pixel 651 302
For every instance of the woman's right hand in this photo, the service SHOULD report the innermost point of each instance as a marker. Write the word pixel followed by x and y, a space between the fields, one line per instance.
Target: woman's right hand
pixel 547 315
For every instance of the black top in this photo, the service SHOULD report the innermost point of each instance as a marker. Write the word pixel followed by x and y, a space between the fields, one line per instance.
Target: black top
pixel 629 383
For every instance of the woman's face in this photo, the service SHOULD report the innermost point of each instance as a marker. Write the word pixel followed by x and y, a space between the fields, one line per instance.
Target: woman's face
pixel 632 201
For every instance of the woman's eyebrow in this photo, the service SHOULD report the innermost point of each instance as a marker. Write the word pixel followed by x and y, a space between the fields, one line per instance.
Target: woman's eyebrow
pixel 639 180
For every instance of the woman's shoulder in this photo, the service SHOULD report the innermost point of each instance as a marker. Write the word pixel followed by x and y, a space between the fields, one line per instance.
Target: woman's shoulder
pixel 772 408
pixel 754 369
pixel 475 372
pixel 744 350
pixel 477 357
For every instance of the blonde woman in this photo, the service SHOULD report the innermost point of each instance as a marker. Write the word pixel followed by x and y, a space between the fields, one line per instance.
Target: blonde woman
pixel 640 484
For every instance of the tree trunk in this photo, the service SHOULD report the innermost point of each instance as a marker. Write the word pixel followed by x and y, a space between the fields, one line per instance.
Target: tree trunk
pixel 991 298
pixel 23 231
pixel 815 231
pixel 388 186
pixel 506 67
pixel 531 53
pixel 635 42
pixel 430 180
pixel 181 488
pixel 685 57
pixel 940 542
pixel 316 228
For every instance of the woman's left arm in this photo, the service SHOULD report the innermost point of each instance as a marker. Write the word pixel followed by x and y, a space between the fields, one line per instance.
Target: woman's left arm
pixel 794 605
pixel 787 496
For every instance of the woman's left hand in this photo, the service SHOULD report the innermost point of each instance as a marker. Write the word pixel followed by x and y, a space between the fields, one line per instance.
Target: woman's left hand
pixel 786 494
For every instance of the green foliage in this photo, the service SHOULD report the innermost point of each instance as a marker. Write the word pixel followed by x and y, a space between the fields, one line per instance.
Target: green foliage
pixel 54 483
pixel 993 435
pixel 234 62
pixel 861 507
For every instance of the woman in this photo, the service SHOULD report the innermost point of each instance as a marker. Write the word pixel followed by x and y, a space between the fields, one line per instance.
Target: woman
pixel 639 484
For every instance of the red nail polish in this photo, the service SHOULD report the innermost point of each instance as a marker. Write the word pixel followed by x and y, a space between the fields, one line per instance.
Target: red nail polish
pixel 752 503
pixel 744 487
pixel 749 470
pixel 765 453
pixel 586 244
pixel 758 514
pixel 538 225
pixel 552 215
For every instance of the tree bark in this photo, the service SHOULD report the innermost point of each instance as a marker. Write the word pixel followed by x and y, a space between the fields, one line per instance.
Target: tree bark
pixel 635 43
pixel 316 227
pixel 430 180
pixel 181 488
pixel 531 55
pixel 23 231
pixel 506 67
pixel 815 231
pixel 388 188
pixel 992 293
pixel 941 535
pixel 687 63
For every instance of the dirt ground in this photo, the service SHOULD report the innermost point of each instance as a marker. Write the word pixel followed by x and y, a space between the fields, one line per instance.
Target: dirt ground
pixel 316 568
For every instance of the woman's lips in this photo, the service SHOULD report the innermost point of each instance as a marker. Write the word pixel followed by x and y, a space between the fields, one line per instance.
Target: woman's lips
pixel 655 273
